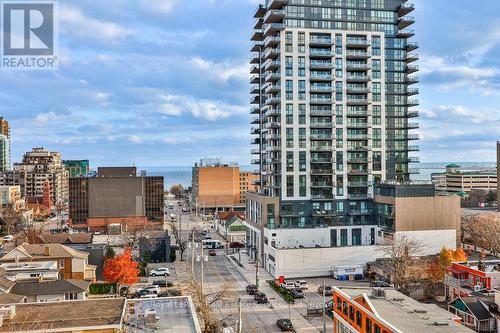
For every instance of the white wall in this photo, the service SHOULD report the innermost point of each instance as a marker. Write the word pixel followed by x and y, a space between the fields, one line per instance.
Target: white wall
pixel 433 240
pixel 78 265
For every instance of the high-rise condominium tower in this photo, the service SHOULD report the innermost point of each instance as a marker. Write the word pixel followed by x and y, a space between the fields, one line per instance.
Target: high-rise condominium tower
pixel 4 145
pixel 332 89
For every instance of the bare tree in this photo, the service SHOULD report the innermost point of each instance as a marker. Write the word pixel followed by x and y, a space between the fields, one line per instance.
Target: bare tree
pixel 180 239
pixel 177 190
pixel 482 231
pixel 11 218
pixel 204 303
pixel 401 260
pixel 31 230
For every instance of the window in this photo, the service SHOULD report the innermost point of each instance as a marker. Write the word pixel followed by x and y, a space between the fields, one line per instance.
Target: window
pixel 359 319
pixel 289 66
pixel 289 161
pixel 289 137
pixel 302 161
pixel 377 328
pixel 289 114
pixel 302 138
pixel 302 113
pixel 302 186
pixel 302 42
pixel 302 66
pixel 368 326
pixel 356 236
pixel 70 296
pixel 343 237
pixel 351 313
pixel 289 89
pixel 302 90
pixel 61 263
pixel 289 186
pixel 289 42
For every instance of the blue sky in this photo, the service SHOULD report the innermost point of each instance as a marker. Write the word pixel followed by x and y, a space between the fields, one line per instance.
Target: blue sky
pixel 165 82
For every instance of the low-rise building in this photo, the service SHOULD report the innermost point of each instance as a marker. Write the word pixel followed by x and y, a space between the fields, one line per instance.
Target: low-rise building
pixel 455 180
pixel 51 290
pixel 83 316
pixel 231 226
pixel 29 271
pixel 384 310
pixel 476 314
pixel 73 264
pixel 472 278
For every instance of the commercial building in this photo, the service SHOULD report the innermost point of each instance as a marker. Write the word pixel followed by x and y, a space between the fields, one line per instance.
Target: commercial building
pixel 5 162
pixel 414 210
pixel 220 187
pixel 77 168
pixel 470 278
pixel 388 311
pixel 455 180
pixel 116 197
pixel 39 171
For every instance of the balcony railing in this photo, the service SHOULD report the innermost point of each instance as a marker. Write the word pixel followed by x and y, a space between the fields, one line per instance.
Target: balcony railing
pixel 357 54
pixel 322 124
pixel 322 77
pixel 321 41
pixel 454 282
pixel 321 137
pixel 321 101
pixel 321 53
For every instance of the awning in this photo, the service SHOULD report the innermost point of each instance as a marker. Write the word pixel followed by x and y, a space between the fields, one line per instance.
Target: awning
pixel 455 270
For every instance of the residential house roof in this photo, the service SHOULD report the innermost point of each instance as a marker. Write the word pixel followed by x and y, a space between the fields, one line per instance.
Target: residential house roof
pixel 65 238
pixel 6 298
pixel 232 220
pixel 66 316
pixel 5 284
pixel 38 251
pixel 476 307
pixel 53 287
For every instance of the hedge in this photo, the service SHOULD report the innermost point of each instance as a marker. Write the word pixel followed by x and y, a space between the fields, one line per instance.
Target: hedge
pixel 102 288
pixel 284 293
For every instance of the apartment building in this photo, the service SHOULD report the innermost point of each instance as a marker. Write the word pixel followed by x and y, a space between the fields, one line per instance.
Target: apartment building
pixel 455 180
pixel 10 196
pixel 5 162
pixel 248 183
pixel 77 168
pixel 383 310
pixel 39 170
pixel 116 196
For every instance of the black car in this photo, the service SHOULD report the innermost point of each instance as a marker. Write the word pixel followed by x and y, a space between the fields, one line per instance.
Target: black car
pixel 252 289
pixel 260 297
pixel 379 284
pixel 141 292
pixel 163 283
pixel 328 290
pixel 297 293
pixel 284 324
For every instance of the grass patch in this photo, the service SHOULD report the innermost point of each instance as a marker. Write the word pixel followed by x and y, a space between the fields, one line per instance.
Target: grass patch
pixel 102 288
pixel 284 293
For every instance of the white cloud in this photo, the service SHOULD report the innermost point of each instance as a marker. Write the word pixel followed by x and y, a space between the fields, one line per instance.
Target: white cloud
pixel 220 71
pixel 135 139
pixel 164 6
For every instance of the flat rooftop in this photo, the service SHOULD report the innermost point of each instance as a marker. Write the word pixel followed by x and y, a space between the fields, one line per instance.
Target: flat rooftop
pixel 174 315
pixel 66 316
pixel 409 315
pixel 30 266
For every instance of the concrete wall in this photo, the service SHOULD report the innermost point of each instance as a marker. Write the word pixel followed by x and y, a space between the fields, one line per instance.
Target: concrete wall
pixel 433 240
pixel 117 197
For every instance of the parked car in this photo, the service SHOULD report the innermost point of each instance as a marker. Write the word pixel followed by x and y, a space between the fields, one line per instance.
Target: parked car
pixel 154 289
pixel 212 253
pixel 236 245
pixel 297 293
pixel 160 271
pixel 8 238
pixel 184 209
pixel 260 297
pixel 301 284
pixel 207 236
pixel 288 285
pixel 163 283
pixel 379 284
pixel 328 290
pixel 252 289
pixel 284 325
pixel 149 296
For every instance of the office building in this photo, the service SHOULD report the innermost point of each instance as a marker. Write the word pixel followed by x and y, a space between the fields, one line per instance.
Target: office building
pixel 77 168
pixel 5 163
pixel 455 180
pixel 39 171
pixel 116 197
pixel 385 310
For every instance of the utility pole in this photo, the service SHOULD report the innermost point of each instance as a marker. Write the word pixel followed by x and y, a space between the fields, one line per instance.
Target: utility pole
pixel 257 266
pixel 239 316
pixel 202 264
pixel 323 307
pixel 192 254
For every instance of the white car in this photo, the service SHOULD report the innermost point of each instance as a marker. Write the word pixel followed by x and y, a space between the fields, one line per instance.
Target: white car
pixel 207 236
pixel 8 238
pixel 151 289
pixel 288 285
pixel 160 271
pixel 301 284
pixel 149 296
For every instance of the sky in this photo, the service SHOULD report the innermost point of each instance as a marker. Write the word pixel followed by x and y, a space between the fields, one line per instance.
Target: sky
pixel 166 82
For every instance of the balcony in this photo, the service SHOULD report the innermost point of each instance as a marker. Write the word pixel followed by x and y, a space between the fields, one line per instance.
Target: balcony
pixel 357 78
pixel 454 282
pixel 321 65
pixel 413 148
pixel 254 59
pixel 321 148
pixel 275 160
pixel 272 76
pixel 356 113
pixel 357 184
pixel 272 28
pixel 321 137
pixel 357 42
pixel 254 70
pixel 326 113
pixel 255 151
pixel 321 124
pixel 275 136
pixel 358 196
pixel 254 120
pixel 413 159
pixel 255 110
pixel 325 196
pixel 412 91
pixel 272 53
pixel 255 100
pixel 272 125
pixel 358 124
pixel 254 89
pixel 412 102
pixel 254 130
pixel 272 112
pixel 355 212
pixel 321 101
pixel 355 148
pixel 405 9
pixel 323 213
pixel 321 160
pixel 405 22
pixel 254 79
pixel 272 88
pixel 273 100
pixel 276 4
pixel 411 69
pixel 273 148
pixel 356 172
pixel 406 33
pixel 358 137
pixel 271 41
pixel 413 171
pixel 413 114
pixel 320 53
pixel 358 90
pixel 351 54
pixel 413 126
pixel 255 141
pixel 320 77
pixel 322 184
pixel 257 35
pixel 358 101
pixel 256 46
pixel 321 41
pixel 411 57
pixel 322 89
pixel 358 67
pixel 255 161
pixel 274 16
pixel 358 160
pixel 272 65
pixel 411 79
pixel 411 47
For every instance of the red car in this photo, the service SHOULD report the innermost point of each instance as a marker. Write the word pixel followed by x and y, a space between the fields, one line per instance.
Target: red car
pixel 212 253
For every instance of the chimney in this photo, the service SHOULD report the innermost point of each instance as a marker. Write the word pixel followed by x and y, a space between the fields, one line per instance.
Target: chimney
pixel 40 278
pixel 47 250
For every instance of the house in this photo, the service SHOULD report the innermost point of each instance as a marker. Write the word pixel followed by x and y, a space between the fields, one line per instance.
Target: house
pixel 232 227
pixel 465 278
pixel 23 271
pixel 156 244
pixel 475 314
pixel 103 315
pixel 73 264
pixel 6 298
pixel 52 291
pixel 65 238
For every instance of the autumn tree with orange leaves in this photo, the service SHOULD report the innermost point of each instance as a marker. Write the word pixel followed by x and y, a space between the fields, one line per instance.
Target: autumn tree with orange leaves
pixel 121 269
pixel 437 268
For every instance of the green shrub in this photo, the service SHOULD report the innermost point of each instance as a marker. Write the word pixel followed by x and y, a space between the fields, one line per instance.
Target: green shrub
pixel 173 255
pixel 284 293
pixel 102 288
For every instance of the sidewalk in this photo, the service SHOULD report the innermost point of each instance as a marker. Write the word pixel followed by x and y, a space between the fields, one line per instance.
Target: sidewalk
pixel 282 308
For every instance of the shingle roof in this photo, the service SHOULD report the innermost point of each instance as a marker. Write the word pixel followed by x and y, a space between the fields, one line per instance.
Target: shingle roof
pixel 65 316
pixel 11 298
pixel 56 251
pixel 50 287
pixel 477 308
pixel 65 238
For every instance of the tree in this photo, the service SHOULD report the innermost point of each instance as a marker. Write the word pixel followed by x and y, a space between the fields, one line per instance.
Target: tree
pixel 491 197
pixel 11 219
pixel 180 240
pixel 31 231
pixel 177 190
pixel 482 231
pixel 110 252
pixel 121 269
pixel 400 259
pixel 437 268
